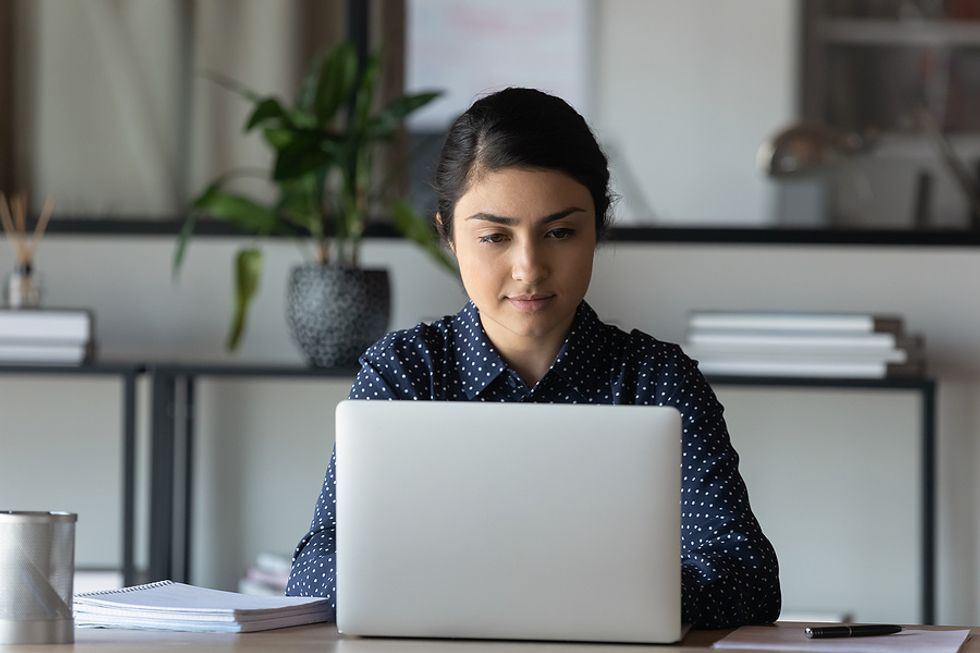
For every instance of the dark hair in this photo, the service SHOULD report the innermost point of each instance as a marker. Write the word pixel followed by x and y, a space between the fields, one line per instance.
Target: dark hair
pixel 523 128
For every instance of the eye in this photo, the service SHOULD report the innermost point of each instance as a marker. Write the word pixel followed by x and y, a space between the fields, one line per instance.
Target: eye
pixel 561 233
pixel 492 238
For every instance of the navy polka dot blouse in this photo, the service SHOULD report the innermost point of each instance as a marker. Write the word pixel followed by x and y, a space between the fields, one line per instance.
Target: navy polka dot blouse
pixel 729 570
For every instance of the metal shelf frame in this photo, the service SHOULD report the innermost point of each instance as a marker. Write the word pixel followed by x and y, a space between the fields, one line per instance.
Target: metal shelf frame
pixel 172 443
pixel 127 374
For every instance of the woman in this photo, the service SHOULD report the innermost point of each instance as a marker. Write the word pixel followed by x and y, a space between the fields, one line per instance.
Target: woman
pixel 523 198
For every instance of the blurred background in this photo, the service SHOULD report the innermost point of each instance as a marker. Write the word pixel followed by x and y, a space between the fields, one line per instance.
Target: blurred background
pixel 800 155
pixel 108 103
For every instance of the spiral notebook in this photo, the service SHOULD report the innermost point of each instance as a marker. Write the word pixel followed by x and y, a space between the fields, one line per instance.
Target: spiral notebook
pixel 166 605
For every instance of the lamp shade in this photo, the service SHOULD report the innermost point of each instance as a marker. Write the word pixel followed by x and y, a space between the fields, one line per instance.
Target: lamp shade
pixel 807 147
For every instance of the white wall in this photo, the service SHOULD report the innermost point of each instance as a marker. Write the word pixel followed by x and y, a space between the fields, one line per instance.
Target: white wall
pixel 685 92
pixel 833 477
pixel 47 426
pixel 263 444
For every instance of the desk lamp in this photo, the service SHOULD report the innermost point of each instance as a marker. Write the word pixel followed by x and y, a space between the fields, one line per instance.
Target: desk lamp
pixel 808 148
pixel 803 155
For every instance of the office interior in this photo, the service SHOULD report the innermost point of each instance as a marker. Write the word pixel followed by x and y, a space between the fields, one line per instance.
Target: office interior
pixel 682 94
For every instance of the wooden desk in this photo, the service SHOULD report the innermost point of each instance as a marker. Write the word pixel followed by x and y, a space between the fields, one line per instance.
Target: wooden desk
pixel 323 638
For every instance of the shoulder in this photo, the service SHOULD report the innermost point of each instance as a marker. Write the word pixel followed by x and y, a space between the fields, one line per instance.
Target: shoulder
pixel 403 344
pixel 676 379
pixel 423 341
pixel 645 349
pixel 633 352
pixel 630 348
pixel 401 365
pixel 661 360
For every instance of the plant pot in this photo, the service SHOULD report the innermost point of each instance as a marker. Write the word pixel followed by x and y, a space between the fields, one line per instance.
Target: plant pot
pixel 335 313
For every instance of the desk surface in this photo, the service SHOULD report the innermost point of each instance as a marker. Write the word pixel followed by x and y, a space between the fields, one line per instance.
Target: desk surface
pixel 323 638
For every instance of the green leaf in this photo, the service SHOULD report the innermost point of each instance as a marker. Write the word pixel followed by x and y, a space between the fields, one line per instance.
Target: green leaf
pixel 268 109
pixel 278 138
pixel 248 269
pixel 299 203
pixel 239 210
pixel 308 151
pixel 391 117
pixel 417 229
pixel 232 85
pixel 338 73
pixel 306 97
pixel 182 239
pixel 303 120
pixel 298 159
pixel 365 94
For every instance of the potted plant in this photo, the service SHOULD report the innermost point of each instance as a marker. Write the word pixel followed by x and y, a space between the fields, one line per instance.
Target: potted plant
pixel 324 147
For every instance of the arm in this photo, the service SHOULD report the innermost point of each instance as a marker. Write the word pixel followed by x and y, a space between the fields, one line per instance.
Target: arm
pixel 729 571
pixel 313 572
pixel 314 565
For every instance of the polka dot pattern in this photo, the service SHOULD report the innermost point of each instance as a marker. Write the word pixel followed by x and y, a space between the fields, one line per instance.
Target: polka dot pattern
pixel 729 570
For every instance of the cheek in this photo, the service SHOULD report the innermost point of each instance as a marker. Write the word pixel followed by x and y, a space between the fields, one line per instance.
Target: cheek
pixel 579 263
pixel 476 268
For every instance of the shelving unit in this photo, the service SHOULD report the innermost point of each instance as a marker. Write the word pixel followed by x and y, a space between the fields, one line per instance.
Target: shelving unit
pixel 864 68
pixel 172 443
pixel 905 33
pixel 127 374
pixel 173 432
pixel 867 68
pixel 927 456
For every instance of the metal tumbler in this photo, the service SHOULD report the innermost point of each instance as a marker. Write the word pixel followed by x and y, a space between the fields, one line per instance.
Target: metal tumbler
pixel 37 566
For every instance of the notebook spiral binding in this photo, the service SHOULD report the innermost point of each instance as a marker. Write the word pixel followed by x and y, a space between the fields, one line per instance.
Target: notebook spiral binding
pixel 133 588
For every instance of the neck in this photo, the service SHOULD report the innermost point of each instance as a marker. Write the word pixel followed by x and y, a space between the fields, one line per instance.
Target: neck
pixel 532 364
pixel 529 356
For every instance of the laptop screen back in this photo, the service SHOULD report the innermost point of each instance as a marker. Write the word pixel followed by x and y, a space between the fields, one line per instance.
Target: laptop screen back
pixel 508 520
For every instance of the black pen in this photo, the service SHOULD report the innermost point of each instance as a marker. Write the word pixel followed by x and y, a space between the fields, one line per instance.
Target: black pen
pixel 866 630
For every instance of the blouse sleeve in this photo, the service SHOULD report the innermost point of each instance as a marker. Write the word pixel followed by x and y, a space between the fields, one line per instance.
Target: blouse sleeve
pixel 313 571
pixel 729 571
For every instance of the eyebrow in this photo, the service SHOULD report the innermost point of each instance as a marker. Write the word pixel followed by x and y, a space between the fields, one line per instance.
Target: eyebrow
pixel 499 219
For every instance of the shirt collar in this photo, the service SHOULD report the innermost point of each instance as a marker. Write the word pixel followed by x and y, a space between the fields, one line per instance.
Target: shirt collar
pixel 478 360
pixel 582 362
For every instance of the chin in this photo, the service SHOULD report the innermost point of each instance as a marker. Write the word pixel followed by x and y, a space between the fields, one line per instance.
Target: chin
pixel 533 326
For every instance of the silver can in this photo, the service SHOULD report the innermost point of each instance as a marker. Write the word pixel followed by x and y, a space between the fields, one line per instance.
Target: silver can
pixel 37 567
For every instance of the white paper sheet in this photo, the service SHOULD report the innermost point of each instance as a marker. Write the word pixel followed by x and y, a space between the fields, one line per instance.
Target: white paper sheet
pixel 792 639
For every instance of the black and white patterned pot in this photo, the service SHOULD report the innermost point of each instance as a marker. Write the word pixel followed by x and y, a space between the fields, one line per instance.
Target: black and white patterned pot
pixel 335 313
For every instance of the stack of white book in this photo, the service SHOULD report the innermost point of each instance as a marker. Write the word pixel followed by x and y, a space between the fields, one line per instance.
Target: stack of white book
pixel 46 336
pixel 802 344
pixel 267 576
pixel 166 605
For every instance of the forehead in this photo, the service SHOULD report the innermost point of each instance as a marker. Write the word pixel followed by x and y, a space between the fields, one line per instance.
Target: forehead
pixel 522 192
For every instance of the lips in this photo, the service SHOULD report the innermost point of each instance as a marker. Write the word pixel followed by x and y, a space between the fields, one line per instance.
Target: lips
pixel 530 303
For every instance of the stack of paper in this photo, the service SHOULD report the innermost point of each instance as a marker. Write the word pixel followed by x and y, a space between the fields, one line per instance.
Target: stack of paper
pixel 804 344
pixel 166 605
pixel 46 336
pixel 268 575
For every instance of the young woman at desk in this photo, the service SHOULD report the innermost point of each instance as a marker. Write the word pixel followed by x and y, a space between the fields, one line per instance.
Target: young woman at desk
pixel 523 199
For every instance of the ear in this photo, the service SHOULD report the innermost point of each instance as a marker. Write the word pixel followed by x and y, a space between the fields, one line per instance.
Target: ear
pixel 449 242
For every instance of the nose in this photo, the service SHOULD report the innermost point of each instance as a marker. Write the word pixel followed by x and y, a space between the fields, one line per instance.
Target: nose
pixel 530 265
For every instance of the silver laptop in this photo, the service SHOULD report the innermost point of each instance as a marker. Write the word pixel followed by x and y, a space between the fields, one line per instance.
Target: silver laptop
pixel 508 521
